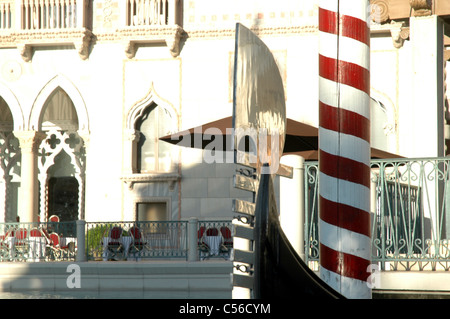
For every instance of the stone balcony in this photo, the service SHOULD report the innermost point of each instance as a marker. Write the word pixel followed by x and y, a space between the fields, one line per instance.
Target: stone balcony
pixel 25 24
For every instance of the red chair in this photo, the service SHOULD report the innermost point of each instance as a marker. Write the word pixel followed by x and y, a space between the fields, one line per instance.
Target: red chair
pixel 35 232
pixel 5 241
pixel 59 251
pixel 227 239
pixel 212 232
pixel 114 244
pixel 53 219
pixel 138 242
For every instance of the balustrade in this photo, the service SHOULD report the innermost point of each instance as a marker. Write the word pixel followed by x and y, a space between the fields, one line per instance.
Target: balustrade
pixel 147 12
pixel 49 14
pixel 6 14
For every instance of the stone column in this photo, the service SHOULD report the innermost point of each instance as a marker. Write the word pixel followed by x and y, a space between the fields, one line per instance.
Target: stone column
pixel 86 136
pixel 292 212
pixel 29 197
pixel 130 156
pixel 427 89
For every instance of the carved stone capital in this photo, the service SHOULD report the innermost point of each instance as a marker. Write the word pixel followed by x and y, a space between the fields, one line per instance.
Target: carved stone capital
pixel 82 44
pixel 29 140
pixel 420 7
pixel 399 34
pixel 130 49
pixel 25 51
pixel 173 41
pixel 86 136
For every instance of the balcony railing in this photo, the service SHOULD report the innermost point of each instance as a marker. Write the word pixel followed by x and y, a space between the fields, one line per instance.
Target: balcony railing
pixel 31 23
pixel 410 214
pixel 104 241
pixel 42 14
pixel 147 12
pixel 38 241
pixel 136 240
pixel 55 14
pixel 6 14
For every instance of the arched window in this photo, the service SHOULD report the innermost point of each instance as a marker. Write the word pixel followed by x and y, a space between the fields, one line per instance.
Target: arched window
pixel 154 155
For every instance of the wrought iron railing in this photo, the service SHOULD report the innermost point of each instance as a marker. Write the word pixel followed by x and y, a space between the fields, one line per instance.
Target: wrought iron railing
pixel 215 239
pixel 136 240
pixel 409 210
pixel 38 241
pixel 105 241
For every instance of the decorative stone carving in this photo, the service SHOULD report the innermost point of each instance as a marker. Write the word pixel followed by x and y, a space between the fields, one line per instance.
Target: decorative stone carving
pixel 25 51
pixel 30 140
pixel 379 11
pixel 420 7
pixel 130 49
pixel 73 145
pixel 25 40
pixel 11 71
pixel 82 45
pixel 173 42
pixel 132 135
pixel 170 35
pixel 399 34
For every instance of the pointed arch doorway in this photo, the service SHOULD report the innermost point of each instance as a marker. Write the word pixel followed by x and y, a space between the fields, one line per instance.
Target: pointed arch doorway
pixel 61 160
pixel 9 166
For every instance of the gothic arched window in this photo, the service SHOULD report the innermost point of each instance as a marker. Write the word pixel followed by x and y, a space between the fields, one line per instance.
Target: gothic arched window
pixel 154 155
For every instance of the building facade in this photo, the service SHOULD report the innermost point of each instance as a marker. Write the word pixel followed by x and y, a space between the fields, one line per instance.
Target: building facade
pixel 87 87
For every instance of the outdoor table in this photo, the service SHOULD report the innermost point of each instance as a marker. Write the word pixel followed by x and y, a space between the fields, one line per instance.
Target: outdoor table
pixel 124 240
pixel 213 243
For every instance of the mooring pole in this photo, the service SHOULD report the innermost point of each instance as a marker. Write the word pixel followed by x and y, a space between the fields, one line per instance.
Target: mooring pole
pixel 344 146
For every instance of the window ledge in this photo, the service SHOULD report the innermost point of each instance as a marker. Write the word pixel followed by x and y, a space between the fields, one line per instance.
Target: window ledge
pixel 171 178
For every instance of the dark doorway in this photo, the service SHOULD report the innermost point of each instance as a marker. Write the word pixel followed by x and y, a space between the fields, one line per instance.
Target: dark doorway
pixel 63 198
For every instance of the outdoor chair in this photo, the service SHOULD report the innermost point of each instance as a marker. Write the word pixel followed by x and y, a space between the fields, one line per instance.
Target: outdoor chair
pixel 212 239
pixel 227 243
pixel 58 250
pixel 138 242
pixel 53 219
pixel 21 242
pixel 202 246
pixel 5 241
pixel 52 225
pixel 114 244
pixel 212 232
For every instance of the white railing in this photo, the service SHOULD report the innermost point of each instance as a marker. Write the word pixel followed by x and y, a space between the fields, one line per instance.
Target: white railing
pixel 51 14
pixel 6 14
pixel 147 12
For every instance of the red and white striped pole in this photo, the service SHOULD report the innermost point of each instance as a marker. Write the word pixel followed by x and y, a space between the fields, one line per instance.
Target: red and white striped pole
pixel 344 146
